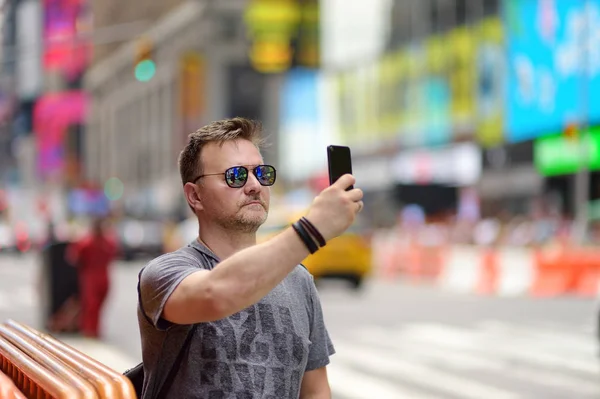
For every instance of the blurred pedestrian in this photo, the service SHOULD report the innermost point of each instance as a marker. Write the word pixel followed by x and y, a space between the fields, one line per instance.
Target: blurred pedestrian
pixel 93 255
pixel 224 316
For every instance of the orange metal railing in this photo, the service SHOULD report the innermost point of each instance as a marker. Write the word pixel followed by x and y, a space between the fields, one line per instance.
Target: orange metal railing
pixel 38 366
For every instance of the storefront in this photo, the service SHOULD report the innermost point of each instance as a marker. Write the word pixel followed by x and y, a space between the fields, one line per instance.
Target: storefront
pixel 436 178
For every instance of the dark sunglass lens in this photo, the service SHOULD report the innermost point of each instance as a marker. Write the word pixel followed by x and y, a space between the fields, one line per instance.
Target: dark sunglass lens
pixel 265 175
pixel 236 176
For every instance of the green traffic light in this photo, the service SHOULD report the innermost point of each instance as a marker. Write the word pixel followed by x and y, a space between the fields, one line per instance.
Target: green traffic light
pixel 145 70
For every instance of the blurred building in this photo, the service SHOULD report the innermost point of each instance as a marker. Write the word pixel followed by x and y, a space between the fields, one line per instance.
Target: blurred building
pixel 200 72
pixel 122 21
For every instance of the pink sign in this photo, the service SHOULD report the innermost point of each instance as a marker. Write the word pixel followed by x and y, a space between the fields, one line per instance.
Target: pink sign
pixel 52 115
pixel 65 47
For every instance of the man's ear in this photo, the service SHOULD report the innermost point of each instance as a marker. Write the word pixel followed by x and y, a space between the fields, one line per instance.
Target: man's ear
pixel 192 196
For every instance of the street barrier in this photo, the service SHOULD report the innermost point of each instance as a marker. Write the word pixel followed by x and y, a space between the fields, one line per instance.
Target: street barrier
pixel 84 388
pixel 108 382
pixel 43 367
pixel 8 390
pixel 34 380
pixel 502 270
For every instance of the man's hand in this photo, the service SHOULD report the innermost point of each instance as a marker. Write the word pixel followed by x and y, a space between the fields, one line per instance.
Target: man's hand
pixel 335 209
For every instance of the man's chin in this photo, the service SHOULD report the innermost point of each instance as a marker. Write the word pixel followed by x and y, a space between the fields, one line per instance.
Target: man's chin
pixel 254 218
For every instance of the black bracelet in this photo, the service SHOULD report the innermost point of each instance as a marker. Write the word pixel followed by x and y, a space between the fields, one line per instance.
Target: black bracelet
pixel 310 244
pixel 313 230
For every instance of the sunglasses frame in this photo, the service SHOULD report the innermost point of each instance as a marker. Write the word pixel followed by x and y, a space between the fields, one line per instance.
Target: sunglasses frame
pixel 254 169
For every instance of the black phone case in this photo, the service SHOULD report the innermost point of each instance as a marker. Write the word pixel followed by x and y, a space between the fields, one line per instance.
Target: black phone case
pixel 330 162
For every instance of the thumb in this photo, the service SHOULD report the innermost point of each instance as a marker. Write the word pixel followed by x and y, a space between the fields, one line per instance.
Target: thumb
pixel 344 182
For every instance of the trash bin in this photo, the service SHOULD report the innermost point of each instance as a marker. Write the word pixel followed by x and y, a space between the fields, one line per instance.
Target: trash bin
pixel 60 290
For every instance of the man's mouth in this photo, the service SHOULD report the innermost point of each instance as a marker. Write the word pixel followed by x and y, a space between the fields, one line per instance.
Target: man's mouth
pixel 254 203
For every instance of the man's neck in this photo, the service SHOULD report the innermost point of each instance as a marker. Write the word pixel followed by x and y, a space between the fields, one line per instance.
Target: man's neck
pixel 225 243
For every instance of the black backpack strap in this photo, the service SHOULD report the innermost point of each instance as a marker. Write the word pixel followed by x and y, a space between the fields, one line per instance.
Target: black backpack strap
pixel 168 381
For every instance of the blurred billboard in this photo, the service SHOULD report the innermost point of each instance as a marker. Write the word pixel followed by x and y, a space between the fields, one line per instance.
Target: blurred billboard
pixel 303 136
pixel 284 34
pixel 559 155
pixel 553 50
pixel 55 116
pixel 66 48
pixel 490 82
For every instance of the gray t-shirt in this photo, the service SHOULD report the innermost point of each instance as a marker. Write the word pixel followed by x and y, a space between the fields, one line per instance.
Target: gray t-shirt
pixel 259 352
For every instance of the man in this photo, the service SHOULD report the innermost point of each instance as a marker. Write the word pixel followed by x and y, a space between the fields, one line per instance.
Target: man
pixel 259 325
pixel 92 255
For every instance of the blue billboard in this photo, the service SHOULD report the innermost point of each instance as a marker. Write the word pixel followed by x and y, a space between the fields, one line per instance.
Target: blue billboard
pixel 548 86
pixel 437 124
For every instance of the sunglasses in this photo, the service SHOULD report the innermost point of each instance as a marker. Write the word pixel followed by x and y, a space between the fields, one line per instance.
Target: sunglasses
pixel 237 176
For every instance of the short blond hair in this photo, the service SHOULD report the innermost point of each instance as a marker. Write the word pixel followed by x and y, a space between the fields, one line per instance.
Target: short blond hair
pixel 190 165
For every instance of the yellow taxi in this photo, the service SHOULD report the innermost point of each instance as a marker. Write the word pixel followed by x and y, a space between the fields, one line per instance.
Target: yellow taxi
pixel 345 257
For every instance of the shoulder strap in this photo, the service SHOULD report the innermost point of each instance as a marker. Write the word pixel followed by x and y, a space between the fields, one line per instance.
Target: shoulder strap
pixel 168 381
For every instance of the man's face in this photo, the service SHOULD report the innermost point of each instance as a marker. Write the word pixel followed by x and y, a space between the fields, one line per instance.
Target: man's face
pixel 241 209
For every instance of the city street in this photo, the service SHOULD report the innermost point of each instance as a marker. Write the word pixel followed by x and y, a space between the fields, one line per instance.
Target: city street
pixel 392 340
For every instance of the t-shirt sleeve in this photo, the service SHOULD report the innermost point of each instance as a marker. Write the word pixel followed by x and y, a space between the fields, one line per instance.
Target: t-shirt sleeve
pixel 321 347
pixel 158 281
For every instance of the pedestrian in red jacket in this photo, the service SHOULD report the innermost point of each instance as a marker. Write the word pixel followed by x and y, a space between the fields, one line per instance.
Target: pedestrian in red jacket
pixel 93 255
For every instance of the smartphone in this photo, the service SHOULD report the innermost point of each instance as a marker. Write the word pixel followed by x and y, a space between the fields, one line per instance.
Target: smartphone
pixel 339 161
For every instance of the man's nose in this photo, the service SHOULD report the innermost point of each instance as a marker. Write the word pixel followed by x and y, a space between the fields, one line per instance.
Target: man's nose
pixel 252 185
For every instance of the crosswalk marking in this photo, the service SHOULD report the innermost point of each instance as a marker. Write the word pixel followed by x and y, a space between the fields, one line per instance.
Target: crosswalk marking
pixel 489 343
pixel 462 361
pixel 494 346
pixel 378 336
pixel 355 385
pixel 571 342
pixel 383 363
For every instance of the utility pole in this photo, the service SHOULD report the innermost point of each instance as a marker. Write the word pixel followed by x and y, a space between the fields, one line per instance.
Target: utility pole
pixel 582 178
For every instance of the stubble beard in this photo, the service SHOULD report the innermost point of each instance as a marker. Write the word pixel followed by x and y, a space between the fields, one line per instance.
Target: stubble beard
pixel 244 222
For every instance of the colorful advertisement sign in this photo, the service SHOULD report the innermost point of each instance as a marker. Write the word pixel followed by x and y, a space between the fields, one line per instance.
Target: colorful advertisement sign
pixel 388 107
pixel 490 83
pixel 54 115
pixel 414 115
pixel 461 42
pixel 284 34
pixel 547 85
pixel 302 140
pixel 66 48
pixel 437 126
pixel 560 155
